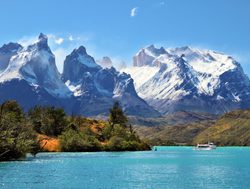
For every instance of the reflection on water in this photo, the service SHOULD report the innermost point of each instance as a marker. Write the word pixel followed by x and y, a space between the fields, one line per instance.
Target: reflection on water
pixel 168 167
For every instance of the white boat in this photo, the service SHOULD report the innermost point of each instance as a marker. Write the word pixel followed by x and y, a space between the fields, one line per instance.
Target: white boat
pixel 208 146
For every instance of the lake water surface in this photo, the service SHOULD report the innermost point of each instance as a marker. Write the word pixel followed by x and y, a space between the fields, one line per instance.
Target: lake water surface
pixel 168 167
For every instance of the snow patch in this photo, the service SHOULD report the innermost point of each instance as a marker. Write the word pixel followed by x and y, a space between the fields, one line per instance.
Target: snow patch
pixel 141 74
pixel 88 61
pixel 75 88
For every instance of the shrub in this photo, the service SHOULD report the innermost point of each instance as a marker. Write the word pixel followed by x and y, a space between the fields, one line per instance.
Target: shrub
pixel 76 141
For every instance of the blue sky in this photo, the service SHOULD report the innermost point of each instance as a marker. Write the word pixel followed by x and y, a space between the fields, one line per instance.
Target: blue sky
pixel 119 28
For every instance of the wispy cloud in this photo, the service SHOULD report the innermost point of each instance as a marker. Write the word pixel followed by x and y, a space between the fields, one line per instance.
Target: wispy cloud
pixel 71 38
pixel 27 40
pixel 59 41
pixel 54 39
pixel 134 11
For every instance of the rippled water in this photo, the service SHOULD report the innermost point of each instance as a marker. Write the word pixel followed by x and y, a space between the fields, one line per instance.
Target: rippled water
pixel 169 167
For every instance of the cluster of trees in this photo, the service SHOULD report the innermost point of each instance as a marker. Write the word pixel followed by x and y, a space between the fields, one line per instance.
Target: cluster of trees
pixel 19 131
pixel 114 135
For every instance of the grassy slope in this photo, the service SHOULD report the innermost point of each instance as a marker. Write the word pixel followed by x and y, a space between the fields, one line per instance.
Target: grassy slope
pixel 231 129
pixel 178 118
pixel 49 144
pixel 175 129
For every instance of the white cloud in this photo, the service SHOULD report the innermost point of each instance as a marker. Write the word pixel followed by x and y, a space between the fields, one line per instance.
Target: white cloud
pixel 134 11
pixel 71 38
pixel 59 41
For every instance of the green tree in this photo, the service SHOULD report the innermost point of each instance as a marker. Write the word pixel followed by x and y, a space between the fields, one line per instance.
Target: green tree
pixel 16 133
pixel 36 115
pixel 50 121
pixel 59 120
pixel 11 106
pixel 117 116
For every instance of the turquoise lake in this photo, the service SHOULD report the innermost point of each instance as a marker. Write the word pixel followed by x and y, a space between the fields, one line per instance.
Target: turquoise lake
pixel 168 167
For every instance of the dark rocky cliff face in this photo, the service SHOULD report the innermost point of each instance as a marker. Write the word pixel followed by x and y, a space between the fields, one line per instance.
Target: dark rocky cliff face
pixel 30 76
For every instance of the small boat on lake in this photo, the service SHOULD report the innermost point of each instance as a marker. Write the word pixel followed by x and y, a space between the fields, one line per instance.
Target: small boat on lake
pixel 208 146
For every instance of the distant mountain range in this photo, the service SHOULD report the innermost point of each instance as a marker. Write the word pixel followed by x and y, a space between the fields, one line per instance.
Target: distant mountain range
pixel 161 81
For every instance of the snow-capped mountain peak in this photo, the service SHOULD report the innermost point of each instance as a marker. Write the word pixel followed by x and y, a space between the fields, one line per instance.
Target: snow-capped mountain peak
pixel 205 61
pixel 82 56
pixel 77 63
pixel 146 55
pixel 151 49
pixel 36 65
pixel 166 77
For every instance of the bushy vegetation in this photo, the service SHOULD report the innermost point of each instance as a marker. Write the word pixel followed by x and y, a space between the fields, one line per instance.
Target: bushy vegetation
pixel 19 133
pixel 17 136
pixel 78 141
pixel 50 121
pixel 93 135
